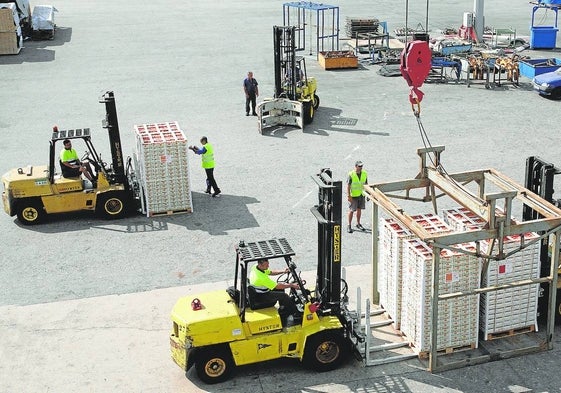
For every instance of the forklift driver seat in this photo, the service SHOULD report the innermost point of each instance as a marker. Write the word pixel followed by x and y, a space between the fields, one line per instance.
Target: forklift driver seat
pixel 68 172
pixel 253 299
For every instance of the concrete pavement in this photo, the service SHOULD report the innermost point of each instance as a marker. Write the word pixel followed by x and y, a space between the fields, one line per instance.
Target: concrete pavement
pixel 84 303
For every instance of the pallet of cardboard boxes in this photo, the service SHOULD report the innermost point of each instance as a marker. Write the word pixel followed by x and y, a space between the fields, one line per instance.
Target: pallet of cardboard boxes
pixel 11 38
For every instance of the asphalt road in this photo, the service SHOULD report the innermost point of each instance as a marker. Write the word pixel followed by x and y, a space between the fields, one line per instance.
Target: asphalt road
pixel 185 61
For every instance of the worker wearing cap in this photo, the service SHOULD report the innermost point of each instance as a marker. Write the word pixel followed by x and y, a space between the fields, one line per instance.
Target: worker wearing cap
pixel 269 290
pixel 355 181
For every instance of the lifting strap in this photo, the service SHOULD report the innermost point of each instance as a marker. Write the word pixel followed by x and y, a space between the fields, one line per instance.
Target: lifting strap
pixel 415 67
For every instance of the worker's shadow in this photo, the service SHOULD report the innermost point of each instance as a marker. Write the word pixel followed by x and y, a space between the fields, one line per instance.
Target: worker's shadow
pixel 326 120
pixel 38 51
pixel 216 216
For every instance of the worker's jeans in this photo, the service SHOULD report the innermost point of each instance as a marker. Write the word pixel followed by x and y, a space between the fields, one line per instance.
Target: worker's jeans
pixel 210 182
pixel 251 98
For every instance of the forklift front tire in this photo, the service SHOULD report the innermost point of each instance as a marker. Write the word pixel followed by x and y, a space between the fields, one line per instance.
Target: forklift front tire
pixel 316 102
pixel 111 205
pixel 30 212
pixel 325 351
pixel 308 110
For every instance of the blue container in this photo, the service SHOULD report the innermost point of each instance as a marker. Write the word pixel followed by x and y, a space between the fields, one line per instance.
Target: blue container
pixel 543 37
pixel 532 67
pixel 549 1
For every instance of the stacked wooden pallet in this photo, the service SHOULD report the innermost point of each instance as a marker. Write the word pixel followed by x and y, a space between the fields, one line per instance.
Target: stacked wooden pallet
pixel 354 26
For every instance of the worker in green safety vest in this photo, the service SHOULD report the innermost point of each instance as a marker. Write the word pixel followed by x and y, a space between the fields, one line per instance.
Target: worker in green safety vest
pixel 355 181
pixel 207 154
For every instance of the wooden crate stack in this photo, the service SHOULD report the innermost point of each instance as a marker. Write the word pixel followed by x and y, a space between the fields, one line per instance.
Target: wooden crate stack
pixel 11 39
pixel 164 168
pixel 508 309
pixel 355 26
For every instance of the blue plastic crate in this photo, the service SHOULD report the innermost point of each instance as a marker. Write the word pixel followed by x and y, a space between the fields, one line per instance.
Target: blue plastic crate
pixel 532 67
pixel 543 37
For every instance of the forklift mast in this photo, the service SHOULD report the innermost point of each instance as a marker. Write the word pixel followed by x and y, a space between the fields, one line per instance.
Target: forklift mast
pixel 328 215
pixel 112 125
pixel 285 61
pixel 539 179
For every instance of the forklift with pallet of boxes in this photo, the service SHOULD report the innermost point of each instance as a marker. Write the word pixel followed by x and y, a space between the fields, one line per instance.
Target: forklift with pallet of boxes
pixel 32 193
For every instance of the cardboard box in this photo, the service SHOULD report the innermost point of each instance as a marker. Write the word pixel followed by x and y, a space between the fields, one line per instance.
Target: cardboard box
pixel 9 19
pixel 337 59
pixel 10 43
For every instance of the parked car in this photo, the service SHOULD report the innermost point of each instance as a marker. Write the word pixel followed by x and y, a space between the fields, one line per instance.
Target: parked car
pixel 548 84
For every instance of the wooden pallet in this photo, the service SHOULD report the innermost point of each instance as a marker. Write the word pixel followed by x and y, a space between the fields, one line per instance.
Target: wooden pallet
pixel 448 350
pixel 169 212
pixel 511 332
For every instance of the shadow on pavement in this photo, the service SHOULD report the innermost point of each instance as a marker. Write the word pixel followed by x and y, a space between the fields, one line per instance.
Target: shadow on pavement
pixel 213 215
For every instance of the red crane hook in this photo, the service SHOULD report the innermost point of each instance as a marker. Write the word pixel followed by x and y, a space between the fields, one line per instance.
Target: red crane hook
pixel 415 66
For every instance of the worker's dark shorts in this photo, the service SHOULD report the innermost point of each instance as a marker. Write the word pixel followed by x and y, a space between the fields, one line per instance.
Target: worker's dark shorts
pixel 70 172
pixel 357 203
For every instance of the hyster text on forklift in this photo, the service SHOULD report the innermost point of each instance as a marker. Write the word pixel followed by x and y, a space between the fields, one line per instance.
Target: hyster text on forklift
pixel 219 330
pixel 33 192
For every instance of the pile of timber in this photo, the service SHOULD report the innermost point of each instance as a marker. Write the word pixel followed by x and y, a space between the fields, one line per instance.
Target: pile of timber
pixel 354 26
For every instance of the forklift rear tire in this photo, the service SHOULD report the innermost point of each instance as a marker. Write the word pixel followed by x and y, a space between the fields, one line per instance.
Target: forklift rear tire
pixel 214 365
pixel 111 205
pixel 30 212
pixel 325 351
pixel 316 102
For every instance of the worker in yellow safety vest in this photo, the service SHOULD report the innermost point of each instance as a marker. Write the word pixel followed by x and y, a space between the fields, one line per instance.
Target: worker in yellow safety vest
pixel 355 181
pixel 207 154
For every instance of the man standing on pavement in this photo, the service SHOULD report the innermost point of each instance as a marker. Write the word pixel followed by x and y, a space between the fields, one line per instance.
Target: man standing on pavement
pixel 251 93
pixel 355 181
pixel 207 155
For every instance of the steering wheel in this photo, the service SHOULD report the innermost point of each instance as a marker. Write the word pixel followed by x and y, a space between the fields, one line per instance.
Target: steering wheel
pixel 296 294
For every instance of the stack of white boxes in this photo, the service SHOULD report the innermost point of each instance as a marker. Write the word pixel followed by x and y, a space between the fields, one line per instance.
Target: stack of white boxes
pixel 458 317
pixel 390 266
pixel 164 169
pixel 517 307
pixel 512 308
pixel 392 237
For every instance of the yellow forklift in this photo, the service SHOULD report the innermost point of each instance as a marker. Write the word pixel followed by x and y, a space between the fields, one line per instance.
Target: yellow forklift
pixel 216 331
pixel 296 100
pixel 33 192
pixel 540 175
